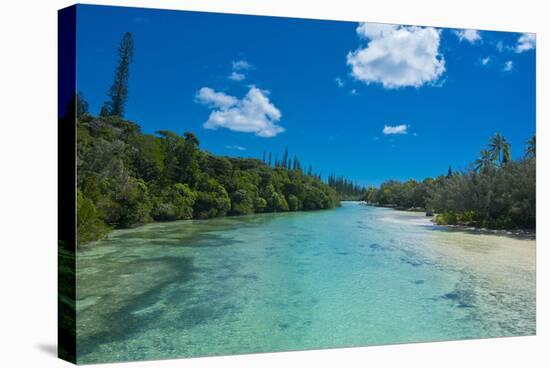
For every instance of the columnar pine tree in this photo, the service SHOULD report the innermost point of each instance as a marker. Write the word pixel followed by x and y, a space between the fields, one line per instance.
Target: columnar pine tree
pixel 284 162
pixel 118 93
pixel 81 105
pixel 104 110
pixel 531 147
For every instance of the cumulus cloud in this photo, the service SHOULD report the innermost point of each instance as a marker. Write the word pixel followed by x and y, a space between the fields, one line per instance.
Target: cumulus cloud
pixel 339 82
pixel 470 35
pixel 215 99
pixel 395 129
pixel 237 70
pixel 508 66
pixel 241 65
pixel 397 56
pixel 254 113
pixel 236 147
pixel 485 60
pixel 526 42
pixel 375 30
pixel 236 76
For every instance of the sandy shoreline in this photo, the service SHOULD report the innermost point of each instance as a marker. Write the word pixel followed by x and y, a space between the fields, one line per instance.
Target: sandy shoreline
pixel 521 234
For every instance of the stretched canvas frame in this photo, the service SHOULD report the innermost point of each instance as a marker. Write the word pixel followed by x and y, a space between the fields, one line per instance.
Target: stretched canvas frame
pixel 305 318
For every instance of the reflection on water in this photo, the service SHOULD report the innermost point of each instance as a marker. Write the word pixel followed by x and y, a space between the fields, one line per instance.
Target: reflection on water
pixel 352 276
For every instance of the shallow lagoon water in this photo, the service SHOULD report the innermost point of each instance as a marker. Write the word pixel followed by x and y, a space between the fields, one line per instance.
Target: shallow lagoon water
pixel 352 276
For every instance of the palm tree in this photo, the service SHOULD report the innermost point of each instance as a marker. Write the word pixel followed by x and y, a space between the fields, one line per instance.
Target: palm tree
pixel 499 149
pixel 530 152
pixel 484 161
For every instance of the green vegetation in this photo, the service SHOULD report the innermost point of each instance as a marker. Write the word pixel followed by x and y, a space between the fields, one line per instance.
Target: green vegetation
pixel 118 93
pixel 496 192
pixel 348 190
pixel 126 178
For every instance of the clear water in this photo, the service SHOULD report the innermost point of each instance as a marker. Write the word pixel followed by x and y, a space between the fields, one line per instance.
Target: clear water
pixel 352 276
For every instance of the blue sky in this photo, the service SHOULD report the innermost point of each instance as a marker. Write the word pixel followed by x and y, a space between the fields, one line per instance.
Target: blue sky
pixel 367 101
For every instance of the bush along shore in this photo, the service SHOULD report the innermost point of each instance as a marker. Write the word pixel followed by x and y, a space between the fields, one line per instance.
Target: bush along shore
pixel 126 178
pixel 495 192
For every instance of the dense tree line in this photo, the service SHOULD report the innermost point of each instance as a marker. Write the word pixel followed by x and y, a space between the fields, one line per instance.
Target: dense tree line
pixel 127 178
pixel 347 189
pixel 495 192
pixel 286 161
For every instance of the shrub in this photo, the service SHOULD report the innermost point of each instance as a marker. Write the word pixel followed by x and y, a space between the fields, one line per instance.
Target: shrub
pixel 241 203
pixel 89 225
pixel 293 203
pixel 176 203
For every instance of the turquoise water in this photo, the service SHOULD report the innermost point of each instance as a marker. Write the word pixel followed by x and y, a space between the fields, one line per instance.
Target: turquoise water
pixel 352 276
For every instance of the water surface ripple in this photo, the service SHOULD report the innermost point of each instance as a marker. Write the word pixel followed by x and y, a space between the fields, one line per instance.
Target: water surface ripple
pixel 351 276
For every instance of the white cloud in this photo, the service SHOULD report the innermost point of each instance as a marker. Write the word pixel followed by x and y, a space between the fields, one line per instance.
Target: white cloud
pixel 236 147
pixel 485 60
pixel 353 91
pixel 508 66
pixel 397 56
pixel 237 68
pixel 470 35
pixel 375 30
pixel 500 46
pixel 254 113
pixel 241 65
pixel 215 99
pixel 395 129
pixel 236 76
pixel 526 42
pixel 339 82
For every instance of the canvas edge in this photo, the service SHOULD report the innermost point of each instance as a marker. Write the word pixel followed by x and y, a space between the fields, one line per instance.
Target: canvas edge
pixel 66 150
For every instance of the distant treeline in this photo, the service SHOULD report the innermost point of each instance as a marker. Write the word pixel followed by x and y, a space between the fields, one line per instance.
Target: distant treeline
pixel 127 178
pixel 347 189
pixel 494 192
